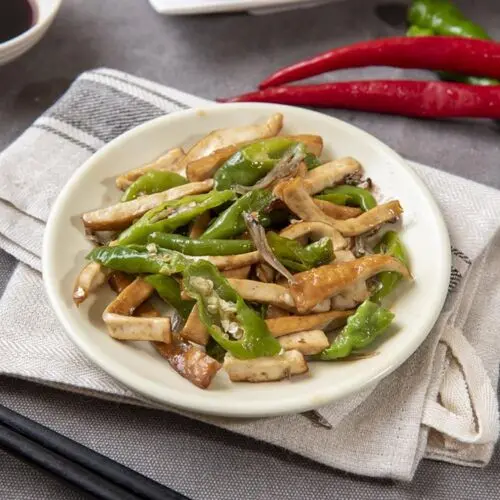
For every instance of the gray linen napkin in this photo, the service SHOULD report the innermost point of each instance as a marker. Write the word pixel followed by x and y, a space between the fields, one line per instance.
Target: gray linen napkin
pixel 440 404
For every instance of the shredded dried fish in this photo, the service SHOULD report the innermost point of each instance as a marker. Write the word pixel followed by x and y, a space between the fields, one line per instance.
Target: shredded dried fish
pixel 286 167
pixel 258 235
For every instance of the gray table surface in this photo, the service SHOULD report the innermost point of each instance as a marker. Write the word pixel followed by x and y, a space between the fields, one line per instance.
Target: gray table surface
pixel 216 56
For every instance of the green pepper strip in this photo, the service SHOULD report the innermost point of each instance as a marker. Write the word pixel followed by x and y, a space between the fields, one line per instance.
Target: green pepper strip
pixel 251 163
pixel 390 244
pixel 171 215
pixel 230 222
pixel 349 195
pixel 362 328
pixel 155 181
pixel 170 291
pixel 446 75
pixel 188 246
pixel 298 258
pixel 311 161
pixel 215 351
pixel 203 282
pixel 443 18
pixel 136 259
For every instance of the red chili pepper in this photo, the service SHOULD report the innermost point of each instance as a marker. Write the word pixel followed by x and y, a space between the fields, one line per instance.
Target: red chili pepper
pixel 400 97
pixel 455 54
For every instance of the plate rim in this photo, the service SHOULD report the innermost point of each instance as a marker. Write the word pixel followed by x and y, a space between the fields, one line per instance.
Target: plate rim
pixel 213 407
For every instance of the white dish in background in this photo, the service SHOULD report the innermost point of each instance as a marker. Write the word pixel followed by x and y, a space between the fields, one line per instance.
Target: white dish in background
pixel 45 12
pixel 191 7
pixel 140 368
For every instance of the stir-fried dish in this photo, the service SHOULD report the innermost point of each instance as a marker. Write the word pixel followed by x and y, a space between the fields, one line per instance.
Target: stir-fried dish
pixel 267 256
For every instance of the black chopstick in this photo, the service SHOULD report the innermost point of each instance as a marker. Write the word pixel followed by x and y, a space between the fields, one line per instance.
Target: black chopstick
pixel 82 467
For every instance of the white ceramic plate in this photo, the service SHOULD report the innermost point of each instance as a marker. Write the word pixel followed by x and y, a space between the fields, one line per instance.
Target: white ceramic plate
pixel 45 12
pixel 136 365
pixel 191 7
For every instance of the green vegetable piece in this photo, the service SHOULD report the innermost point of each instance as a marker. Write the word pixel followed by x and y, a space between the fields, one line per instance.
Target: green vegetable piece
pixel 446 75
pixel 251 163
pixel 222 310
pixel 298 258
pixel 171 215
pixel 349 195
pixel 294 266
pixel 443 18
pixel 311 161
pixel 389 244
pixel 170 291
pixel 215 351
pixel 137 259
pixel 188 246
pixel 418 31
pixel 155 181
pixel 230 222
pixel 362 328
pixel 470 80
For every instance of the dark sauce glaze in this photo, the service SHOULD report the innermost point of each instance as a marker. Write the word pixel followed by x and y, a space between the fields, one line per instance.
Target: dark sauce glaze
pixel 16 17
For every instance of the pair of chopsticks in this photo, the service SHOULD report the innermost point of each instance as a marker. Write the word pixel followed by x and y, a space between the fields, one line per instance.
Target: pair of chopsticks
pixel 78 465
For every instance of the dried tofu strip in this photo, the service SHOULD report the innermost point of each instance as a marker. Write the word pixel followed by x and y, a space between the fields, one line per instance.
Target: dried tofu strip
pixel 381 214
pixel 226 262
pixel 205 167
pixel 123 326
pixel 316 230
pixel 121 215
pixel 267 293
pixel 316 285
pixel 308 342
pixel 339 212
pixel 352 295
pixel 264 272
pixel 298 200
pixel 187 360
pixel 91 277
pixel 194 330
pixel 238 273
pixel 190 362
pixel 331 173
pixel 199 226
pixel 321 321
pixel 167 161
pixel 275 312
pixel 265 369
pixel 271 293
pixel 313 143
pixel 222 138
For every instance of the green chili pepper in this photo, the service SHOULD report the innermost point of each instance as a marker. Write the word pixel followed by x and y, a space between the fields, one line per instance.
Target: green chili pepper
pixel 446 75
pixel 225 314
pixel 362 328
pixel 349 195
pixel 230 222
pixel 215 351
pixel 188 246
pixel 170 291
pixel 251 163
pixel 443 18
pixel 311 161
pixel 137 259
pixel 389 244
pixel 153 182
pixel 418 31
pixel 298 258
pixel 173 214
